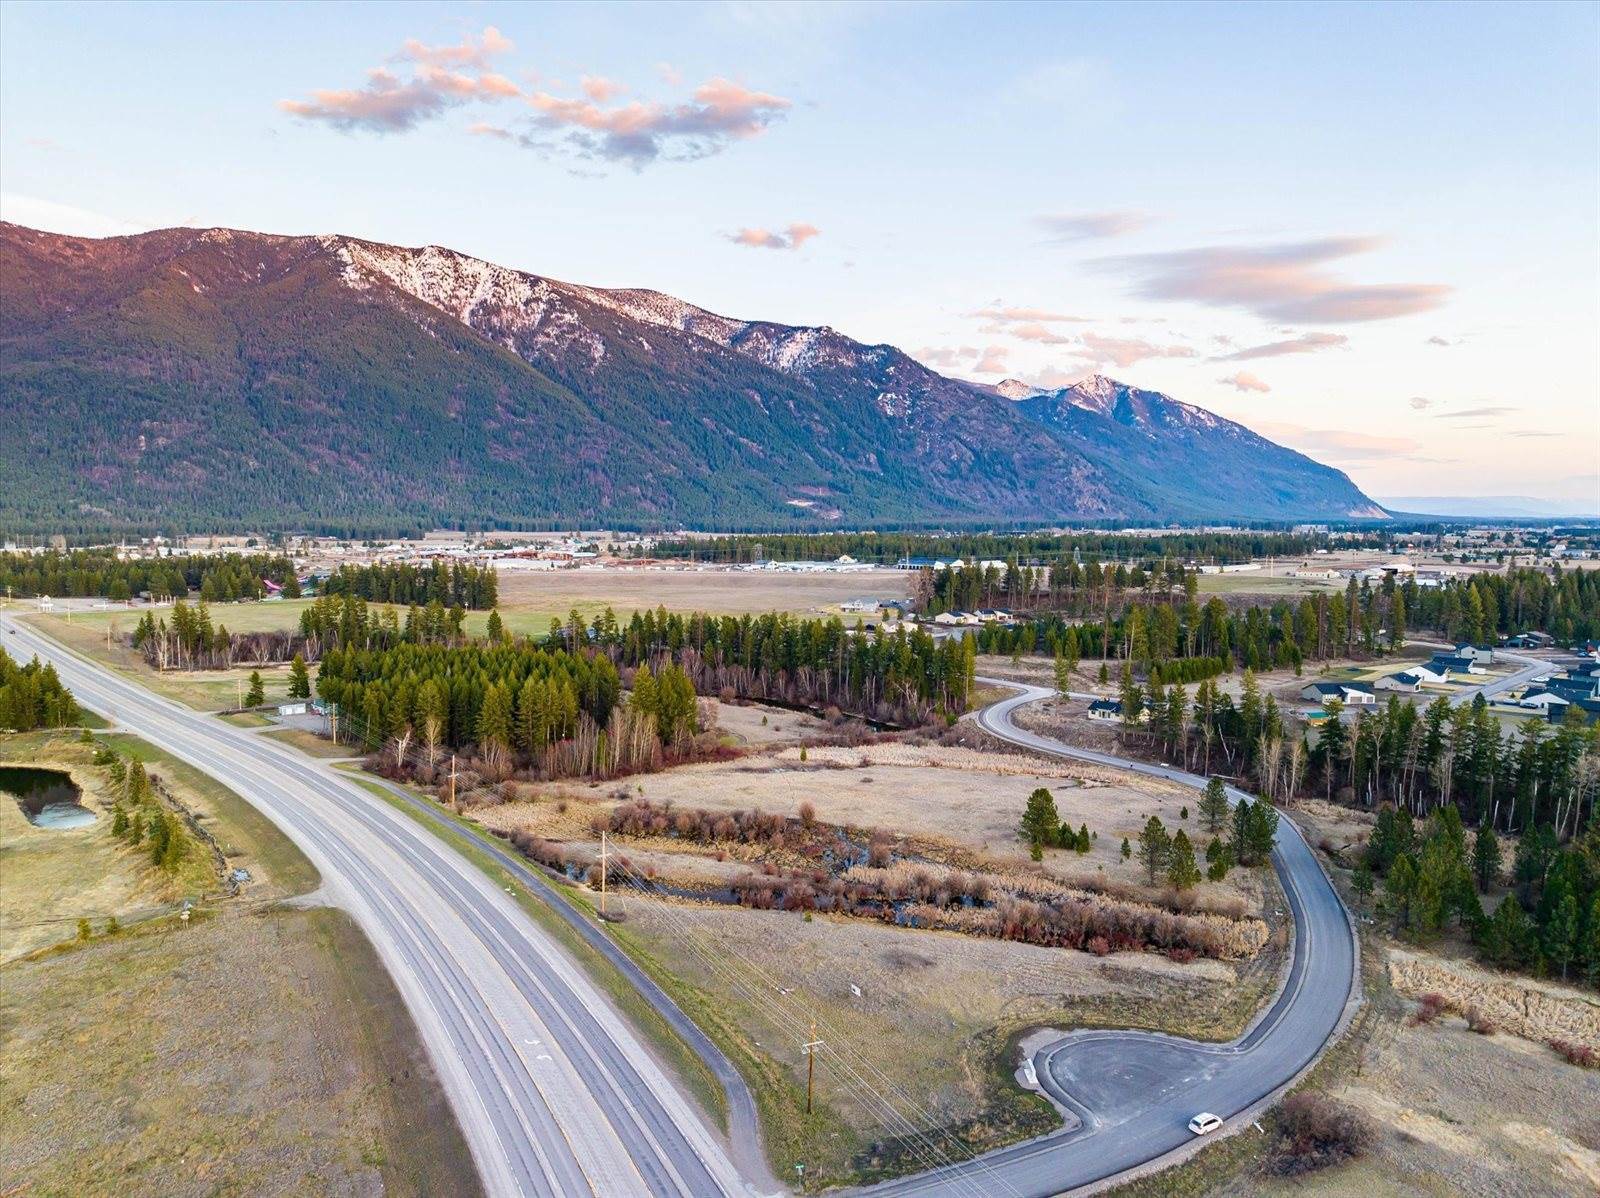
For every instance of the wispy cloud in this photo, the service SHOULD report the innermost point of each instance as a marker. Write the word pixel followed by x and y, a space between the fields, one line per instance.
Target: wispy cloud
pixel 469 52
pixel 1002 314
pixel 1125 351
pixel 992 361
pixel 1286 282
pixel 1306 343
pixel 1473 413
pixel 1245 381
pixel 589 125
pixel 1421 403
pixel 1089 226
pixel 1439 341
pixel 790 238
pixel 438 79
pixel 1340 445
pixel 720 111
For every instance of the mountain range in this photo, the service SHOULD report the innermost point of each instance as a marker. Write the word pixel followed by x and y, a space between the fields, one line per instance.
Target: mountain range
pixel 212 377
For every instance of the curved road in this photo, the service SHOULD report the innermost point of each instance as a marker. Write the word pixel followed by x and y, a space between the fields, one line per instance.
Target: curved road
pixel 554 1092
pixel 1134 1092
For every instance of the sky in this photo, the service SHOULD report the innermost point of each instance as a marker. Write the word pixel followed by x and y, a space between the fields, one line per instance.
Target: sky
pixel 1369 232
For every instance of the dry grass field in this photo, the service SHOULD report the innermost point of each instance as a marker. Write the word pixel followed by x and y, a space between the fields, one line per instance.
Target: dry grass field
pixel 962 801
pixel 263 1053
pixel 254 1050
pixel 723 592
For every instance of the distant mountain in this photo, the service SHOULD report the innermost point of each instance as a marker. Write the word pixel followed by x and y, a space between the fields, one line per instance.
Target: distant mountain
pixel 208 376
pixel 1513 506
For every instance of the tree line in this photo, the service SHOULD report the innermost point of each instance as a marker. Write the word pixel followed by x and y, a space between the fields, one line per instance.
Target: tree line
pixel 32 696
pixel 1434 877
pixel 100 573
pixel 458 584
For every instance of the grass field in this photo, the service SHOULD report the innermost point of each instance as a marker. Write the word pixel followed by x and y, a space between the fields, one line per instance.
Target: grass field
pixel 250 1053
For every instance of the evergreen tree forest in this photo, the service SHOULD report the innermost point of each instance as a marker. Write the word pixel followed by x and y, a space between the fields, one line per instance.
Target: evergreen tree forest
pixel 458 584
pixel 99 573
pixel 32 696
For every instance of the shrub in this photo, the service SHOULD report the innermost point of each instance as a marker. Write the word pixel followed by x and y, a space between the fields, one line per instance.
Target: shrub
pixel 1098 945
pixel 1477 1022
pixel 1580 1055
pixel 1181 955
pixel 1316 1132
pixel 1430 1007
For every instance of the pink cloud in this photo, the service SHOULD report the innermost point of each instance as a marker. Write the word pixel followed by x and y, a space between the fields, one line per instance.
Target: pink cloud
pixel 1084 226
pixel 600 89
pixel 791 238
pixel 993 360
pixel 439 80
pixel 1001 314
pixel 1245 381
pixel 1126 351
pixel 1037 332
pixel 1306 343
pixel 720 111
pixel 471 52
pixel 1284 282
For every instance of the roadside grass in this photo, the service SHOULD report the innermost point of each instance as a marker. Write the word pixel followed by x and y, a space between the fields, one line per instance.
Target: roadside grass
pixel 310 743
pixel 245 835
pixel 203 690
pixel 683 1061
pixel 245 719
pixel 244 1052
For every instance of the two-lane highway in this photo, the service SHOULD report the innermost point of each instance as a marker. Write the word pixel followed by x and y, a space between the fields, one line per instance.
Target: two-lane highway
pixel 1134 1092
pixel 554 1092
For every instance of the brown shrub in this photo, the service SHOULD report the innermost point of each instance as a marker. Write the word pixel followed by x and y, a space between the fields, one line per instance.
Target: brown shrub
pixel 1430 1008
pixel 1580 1055
pixel 1315 1132
pixel 1478 1023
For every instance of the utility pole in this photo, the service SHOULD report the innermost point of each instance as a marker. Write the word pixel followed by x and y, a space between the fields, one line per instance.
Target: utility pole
pixel 603 856
pixel 810 1051
pixel 238 683
pixel 454 806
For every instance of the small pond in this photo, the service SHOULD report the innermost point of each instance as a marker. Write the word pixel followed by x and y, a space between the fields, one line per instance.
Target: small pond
pixel 49 798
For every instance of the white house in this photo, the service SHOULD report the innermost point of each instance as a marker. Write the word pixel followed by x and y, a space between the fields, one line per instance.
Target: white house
pixel 1407 681
pixel 1429 671
pixel 1351 694
pixel 1540 699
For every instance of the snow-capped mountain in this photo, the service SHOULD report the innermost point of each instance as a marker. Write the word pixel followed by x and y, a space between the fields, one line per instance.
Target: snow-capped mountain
pixel 214 375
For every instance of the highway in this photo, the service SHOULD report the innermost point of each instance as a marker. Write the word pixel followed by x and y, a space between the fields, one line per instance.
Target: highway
pixel 554 1092
pixel 1133 1093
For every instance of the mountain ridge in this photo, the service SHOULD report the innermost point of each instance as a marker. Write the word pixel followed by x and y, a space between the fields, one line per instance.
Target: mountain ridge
pixel 186 360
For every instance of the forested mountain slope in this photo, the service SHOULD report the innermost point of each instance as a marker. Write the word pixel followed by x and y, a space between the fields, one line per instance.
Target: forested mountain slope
pixel 205 377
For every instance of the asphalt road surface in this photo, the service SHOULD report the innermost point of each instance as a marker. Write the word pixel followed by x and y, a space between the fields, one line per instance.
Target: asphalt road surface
pixel 1134 1092
pixel 554 1092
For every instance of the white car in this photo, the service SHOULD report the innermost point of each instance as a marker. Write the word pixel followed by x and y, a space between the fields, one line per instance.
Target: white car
pixel 1204 1123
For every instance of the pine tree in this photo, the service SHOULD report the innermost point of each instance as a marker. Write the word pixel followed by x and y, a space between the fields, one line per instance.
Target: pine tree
pixel 1361 881
pixel 1127 849
pixel 495 629
pixel 1485 858
pixel 257 694
pixel 1214 805
pixel 1400 890
pixel 1063 676
pixel 119 821
pixel 1182 872
pixel 1154 848
pixel 1040 824
pixel 299 679
pixel 1561 932
pixel 1083 844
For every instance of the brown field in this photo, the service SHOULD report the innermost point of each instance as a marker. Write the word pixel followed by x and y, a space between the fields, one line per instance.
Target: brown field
pixel 252 1050
pixel 720 591
pixel 961 798
pixel 756 724
pixel 262 1053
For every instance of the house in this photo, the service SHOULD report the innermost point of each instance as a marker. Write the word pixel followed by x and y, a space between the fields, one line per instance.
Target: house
pixel 867 605
pixel 1531 640
pixel 1540 698
pixel 1351 694
pixel 1589 707
pixel 1429 671
pixel 1573 689
pixel 1478 653
pixel 1453 664
pixel 947 618
pixel 1105 709
pixel 1408 681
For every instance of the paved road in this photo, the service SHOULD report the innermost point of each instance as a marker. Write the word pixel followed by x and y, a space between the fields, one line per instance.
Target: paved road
pixel 554 1092
pixel 1134 1092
